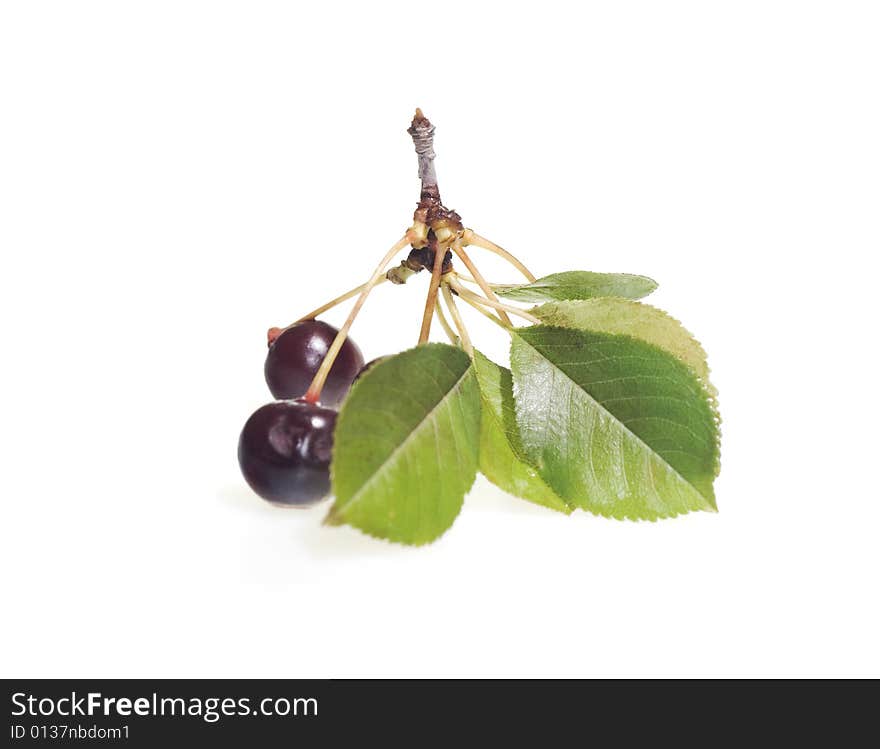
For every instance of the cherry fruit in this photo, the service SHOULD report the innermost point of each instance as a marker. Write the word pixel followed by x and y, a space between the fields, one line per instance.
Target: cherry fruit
pixel 284 452
pixel 295 355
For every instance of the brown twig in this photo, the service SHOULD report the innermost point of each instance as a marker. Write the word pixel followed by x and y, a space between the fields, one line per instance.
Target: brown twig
pixel 422 132
pixel 435 224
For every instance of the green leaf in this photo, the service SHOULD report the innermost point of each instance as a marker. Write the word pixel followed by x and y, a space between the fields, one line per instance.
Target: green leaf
pixel 616 425
pixel 635 319
pixel 502 459
pixel 579 284
pixel 406 445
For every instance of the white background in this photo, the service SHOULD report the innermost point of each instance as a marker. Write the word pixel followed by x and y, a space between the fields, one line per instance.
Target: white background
pixel 175 177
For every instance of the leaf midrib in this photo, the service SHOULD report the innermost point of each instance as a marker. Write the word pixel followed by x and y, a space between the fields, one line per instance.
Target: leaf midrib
pixel 566 313
pixel 614 418
pixel 391 457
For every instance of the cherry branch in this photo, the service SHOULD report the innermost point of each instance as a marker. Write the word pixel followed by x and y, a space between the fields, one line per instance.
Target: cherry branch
pixel 433 224
pixel 422 132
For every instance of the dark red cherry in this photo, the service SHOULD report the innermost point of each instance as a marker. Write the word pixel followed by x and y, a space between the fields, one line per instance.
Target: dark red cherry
pixel 284 452
pixel 295 355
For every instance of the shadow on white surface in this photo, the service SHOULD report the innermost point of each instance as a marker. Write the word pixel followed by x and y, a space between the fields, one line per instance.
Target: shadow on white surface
pixel 305 525
pixel 238 497
pixel 323 542
pixel 486 497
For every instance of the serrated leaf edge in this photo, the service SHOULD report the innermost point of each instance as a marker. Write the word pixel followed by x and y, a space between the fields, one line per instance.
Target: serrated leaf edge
pixel 506 289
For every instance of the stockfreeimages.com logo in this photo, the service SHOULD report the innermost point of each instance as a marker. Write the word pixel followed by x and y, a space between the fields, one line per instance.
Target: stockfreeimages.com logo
pixel 210 709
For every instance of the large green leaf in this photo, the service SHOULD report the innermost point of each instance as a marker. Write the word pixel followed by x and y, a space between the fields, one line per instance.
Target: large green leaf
pixel 609 315
pixel 502 459
pixel 406 445
pixel 579 284
pixel 614 424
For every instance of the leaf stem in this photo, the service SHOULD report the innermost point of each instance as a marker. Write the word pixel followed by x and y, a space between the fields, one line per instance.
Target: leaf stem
pixel 313 394
pixel 495 304
pixel 444 323
pixel 487 314
pixel 459 323
pixel 487 290
pixel 471 279
pixel 472 238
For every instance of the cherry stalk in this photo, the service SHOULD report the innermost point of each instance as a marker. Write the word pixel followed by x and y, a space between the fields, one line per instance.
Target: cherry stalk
pixel 313 394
